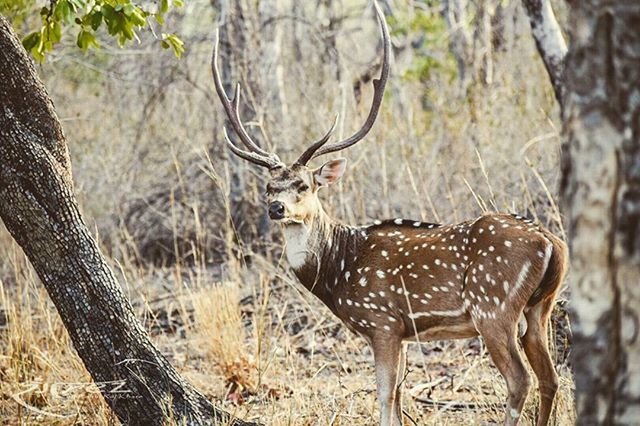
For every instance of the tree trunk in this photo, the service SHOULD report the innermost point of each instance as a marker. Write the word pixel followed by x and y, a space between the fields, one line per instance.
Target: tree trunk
pixel 240 59
pixel 601 196
pixel 40 211
pixel 460 42
pixel 273 95
pixel 483 43
pixel 549 41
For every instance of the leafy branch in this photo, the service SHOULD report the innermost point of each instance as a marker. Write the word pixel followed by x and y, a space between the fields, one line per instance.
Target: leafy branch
pixel 121 18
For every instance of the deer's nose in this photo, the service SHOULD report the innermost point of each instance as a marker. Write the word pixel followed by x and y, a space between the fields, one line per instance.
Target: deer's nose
pixel 276 210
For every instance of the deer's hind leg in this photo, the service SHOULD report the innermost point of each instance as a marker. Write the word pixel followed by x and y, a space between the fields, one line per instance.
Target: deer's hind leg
pixel 537 350
pixel 495 297
pixel 500 340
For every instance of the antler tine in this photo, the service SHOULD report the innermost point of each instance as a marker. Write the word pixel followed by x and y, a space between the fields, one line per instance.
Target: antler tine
pixel 308 154
pixel 378 87
pixel 231 108
pixel 253 157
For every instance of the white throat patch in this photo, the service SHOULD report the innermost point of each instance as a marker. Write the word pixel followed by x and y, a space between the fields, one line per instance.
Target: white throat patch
pixel 297 244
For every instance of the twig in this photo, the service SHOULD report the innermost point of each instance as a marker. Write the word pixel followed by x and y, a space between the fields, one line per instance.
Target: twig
pixel 416 390
pixel 454 405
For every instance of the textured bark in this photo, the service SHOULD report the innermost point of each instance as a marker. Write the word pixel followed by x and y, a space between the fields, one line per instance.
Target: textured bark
pixel 549 41
pixel 601 197
pixel 39 208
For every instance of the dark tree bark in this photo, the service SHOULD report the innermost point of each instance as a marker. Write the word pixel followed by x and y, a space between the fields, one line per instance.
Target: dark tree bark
pixel 600 192
pixel 38 207
pixel 549 41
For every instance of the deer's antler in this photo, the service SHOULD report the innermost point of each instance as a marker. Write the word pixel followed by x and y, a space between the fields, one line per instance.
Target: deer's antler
pixel 319 148
pixel 255 154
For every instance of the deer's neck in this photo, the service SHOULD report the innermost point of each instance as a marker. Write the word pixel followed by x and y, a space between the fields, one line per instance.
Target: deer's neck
pixel 320 254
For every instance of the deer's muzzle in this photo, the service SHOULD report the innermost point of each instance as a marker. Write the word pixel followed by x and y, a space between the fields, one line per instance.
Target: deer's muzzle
pixel 276 210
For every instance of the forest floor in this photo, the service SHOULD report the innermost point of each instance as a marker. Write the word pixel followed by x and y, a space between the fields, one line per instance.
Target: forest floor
pixel 255 342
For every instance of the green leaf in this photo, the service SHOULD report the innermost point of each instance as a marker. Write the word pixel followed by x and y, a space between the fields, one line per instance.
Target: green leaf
pixel 63 11
pixel 86 40
pixel 176 44
pixel 56 32
pixel 32 44
pixel 122 19
pixel 137 18
pixel 37 55
pixel 96 20
pixel 31 40
pixel 128 9
pixel 51 34
pixel 77 4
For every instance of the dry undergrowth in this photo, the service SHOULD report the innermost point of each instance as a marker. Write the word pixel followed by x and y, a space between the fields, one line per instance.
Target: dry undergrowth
pixel 265 350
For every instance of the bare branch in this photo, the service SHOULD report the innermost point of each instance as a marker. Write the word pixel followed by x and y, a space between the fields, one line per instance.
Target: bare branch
pixel 549 40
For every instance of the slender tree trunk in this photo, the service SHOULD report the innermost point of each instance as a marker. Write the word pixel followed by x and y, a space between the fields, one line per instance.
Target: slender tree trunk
pixel 273 97
pixel 483 43
pixel 549 41
pixel 234 62
pixel 39 208
pixel 455 14
pixel 601 197
pixel 250 49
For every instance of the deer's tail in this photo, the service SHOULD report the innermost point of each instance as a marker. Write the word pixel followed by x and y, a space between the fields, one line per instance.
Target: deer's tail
pixel 556 270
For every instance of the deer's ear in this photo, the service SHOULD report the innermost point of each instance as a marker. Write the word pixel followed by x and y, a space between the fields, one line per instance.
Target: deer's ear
pixel 330 172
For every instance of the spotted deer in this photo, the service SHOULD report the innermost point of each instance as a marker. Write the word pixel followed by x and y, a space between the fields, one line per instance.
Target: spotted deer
pixel 398 281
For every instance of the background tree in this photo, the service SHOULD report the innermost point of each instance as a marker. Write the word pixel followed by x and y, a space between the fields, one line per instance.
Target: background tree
pixel 40 210
pixel 601 196
pixel 600 190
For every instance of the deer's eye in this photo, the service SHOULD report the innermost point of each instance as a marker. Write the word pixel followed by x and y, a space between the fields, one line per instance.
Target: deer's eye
pixel 303 187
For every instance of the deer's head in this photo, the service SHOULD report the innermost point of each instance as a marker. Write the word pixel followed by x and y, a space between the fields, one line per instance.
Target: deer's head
pixel 292 191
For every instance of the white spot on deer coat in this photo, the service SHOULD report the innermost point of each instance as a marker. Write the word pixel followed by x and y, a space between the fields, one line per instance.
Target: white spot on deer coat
pixel 522 276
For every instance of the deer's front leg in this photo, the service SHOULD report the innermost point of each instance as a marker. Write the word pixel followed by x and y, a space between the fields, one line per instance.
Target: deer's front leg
pixel 386 352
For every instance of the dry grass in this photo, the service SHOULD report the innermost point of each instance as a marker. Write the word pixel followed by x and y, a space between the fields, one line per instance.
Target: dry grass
pixel 227 313
pixel 265 350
